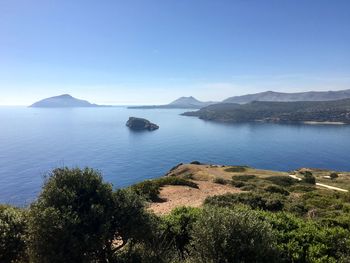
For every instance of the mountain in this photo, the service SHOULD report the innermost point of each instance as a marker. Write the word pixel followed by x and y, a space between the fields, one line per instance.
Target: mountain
pixel 283 97
pixel 62 101
pixel 180 103
pixel 280 112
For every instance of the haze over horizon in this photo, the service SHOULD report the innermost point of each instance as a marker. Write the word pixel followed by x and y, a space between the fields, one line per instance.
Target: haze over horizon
pixel 152 52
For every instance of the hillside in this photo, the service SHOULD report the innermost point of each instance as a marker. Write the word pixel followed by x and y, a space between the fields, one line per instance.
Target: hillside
pixel 62 101
pixel 214 180
pixel 285 97
pixel 180 103
pixel 279 112
pixel 195 213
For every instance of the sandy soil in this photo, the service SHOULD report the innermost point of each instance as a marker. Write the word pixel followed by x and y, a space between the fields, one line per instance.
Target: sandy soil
pixel 175 196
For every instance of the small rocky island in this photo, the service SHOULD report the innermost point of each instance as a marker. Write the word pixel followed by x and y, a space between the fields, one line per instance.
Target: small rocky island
pixel 140 124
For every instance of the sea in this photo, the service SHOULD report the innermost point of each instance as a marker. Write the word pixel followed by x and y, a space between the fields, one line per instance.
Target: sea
pixel 33 141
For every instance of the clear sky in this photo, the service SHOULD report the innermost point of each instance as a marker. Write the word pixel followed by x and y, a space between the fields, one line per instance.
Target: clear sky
pixel 153 51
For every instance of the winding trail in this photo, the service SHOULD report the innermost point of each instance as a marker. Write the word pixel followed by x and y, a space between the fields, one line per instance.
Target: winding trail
pixel 322 185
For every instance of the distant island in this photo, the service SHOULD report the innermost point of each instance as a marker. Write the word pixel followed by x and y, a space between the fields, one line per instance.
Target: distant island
pixel 311 112
pixel 180 103
pixel 286 97
pixel 62 101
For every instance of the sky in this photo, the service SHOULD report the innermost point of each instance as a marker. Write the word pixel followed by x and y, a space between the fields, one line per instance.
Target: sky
pixel 154 51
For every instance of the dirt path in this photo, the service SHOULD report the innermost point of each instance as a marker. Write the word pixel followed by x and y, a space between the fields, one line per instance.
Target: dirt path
pixel 322 185
pixel 332 187
pixel 186 196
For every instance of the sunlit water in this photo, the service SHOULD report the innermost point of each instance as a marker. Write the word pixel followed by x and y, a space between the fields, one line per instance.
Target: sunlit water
pixel 34 141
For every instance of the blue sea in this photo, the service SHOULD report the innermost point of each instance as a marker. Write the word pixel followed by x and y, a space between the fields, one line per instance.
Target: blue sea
pixel 33 141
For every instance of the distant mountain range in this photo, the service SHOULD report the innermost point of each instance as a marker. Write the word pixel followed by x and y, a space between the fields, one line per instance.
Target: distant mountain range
pixel 283 97
pixel 180 103
pixel 62 101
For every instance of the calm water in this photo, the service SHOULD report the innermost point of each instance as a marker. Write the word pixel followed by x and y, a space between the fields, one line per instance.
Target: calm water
pixel 33 141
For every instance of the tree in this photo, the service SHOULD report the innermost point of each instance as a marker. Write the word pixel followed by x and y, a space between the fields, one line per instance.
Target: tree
pixel 12 234
pixel 232 235
pixel 72 219
pixel 178 228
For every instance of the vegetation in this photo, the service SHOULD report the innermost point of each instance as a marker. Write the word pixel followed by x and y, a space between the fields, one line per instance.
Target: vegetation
pixel 283 112
pixel 149 189
pixel 12 234
pixel 79 218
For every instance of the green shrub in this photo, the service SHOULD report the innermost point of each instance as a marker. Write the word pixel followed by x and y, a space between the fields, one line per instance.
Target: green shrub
pixel 276 189
pixel 281 180
pixel 178 227
pixel 147 189
pixel 170 180
pixel 220 181
pixel 302 188
pixel 236 169
pixel 306 241
pixel 238 184
pixel 265 201
pixel 150 189
pixel 243 178
pixel 309 178
pixel 248 187
pixel 232 235
pixel 195 162
pixel 12 234
pixel 333 176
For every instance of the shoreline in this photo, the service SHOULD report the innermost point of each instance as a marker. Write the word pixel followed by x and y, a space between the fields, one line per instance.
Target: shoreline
pixel 324 122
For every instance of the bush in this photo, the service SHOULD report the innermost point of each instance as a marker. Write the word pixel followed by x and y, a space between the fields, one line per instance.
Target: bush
pixel 147 189
pixel 167 180
pixel 12 234
pixel 265 201
pixel 282 180
pixel 306 241
pixel 236 169
pixel 178 227
pixel 248 187
pixel 238 184
pixel 309 178
pixel 244 178
pixel 232 235
pixel 276 189
pixel 150 189
pixel 195 162
pixel 333 176
pixel 220 181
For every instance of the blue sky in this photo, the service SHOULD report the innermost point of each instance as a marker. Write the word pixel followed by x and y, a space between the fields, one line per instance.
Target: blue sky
pixel 150 52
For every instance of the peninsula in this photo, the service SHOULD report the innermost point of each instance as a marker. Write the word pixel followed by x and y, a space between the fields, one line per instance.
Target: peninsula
pixel 309 112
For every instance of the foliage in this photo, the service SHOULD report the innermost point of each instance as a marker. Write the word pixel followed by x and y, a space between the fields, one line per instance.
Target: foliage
pixel 12 234
pixel 149 189
pixel 309 178
pixel 178 226
pixel 333 176
pixel 219 180
pixel 245 177
pixel 276 189
pixel 282 180
pixel 236 169
pixel 265 201
pixel 306 241
pixel 77 217
pixel 232 235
